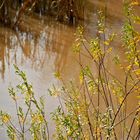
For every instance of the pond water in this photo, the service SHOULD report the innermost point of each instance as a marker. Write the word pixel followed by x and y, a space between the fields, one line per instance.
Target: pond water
pixel 45 49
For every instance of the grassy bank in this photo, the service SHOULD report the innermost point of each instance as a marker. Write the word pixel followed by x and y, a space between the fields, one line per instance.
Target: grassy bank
pixel 68 11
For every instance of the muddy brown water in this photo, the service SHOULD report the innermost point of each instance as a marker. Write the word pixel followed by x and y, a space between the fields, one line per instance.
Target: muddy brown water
pixel 45 49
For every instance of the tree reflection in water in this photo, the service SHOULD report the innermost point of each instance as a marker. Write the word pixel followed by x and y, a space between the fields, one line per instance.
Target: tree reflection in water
pixel 36 45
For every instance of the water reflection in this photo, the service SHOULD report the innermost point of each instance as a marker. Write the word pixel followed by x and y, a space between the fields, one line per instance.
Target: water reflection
pixel 37 46
pixel 41 38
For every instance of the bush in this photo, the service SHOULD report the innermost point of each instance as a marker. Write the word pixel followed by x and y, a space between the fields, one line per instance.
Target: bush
pixel 97 106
